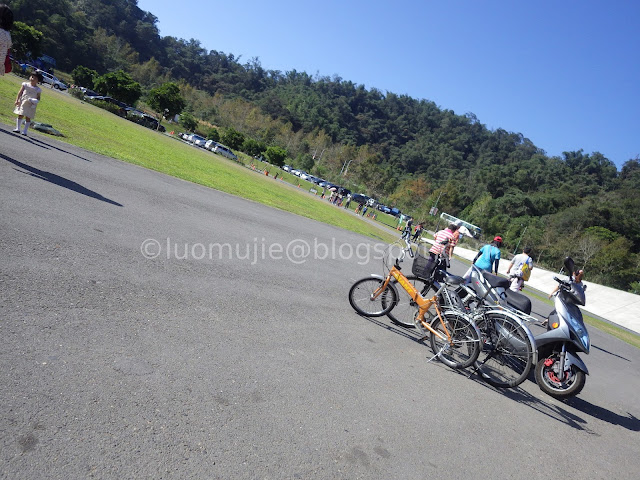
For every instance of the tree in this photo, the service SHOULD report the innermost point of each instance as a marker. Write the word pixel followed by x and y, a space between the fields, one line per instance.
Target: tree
pixel 253 147
pixel 120 86
pixel 232 138
pixel 213 134
pixel 276 155
pixel 166 99
pixel 27 41
pixel 188 121
pixel 84 76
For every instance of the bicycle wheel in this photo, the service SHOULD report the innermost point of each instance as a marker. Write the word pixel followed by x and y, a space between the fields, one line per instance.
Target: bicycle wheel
pixel 450 300
pixel 360 297
pixel 464 347
pixel 405 310
pixel 507 352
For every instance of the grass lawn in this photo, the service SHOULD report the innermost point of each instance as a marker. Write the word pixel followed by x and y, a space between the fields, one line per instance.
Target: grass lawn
pixel 94 129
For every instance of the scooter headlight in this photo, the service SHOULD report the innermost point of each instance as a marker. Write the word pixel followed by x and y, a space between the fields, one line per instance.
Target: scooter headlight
pixel 574 320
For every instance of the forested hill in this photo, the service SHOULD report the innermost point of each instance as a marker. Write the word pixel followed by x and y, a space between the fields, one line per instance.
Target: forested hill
pixel 406 152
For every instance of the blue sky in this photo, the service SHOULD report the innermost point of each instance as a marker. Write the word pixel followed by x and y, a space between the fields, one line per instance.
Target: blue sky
pixel 564 73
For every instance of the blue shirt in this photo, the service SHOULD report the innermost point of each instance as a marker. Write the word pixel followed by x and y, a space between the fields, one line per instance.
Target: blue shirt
pixel 490 253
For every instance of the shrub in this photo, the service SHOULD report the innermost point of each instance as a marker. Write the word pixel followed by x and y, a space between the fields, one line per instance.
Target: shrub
pixel 76 92
pixel 110 107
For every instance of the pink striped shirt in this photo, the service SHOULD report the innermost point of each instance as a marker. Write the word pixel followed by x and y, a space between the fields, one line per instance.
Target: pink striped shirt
pixel 441 236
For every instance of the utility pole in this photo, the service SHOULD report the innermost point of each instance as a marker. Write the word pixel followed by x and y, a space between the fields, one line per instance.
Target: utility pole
pixel 434 209
pixel 518 244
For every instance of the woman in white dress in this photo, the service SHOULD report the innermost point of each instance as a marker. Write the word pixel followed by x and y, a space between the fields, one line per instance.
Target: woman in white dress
pixel 6 23
pixel 27 101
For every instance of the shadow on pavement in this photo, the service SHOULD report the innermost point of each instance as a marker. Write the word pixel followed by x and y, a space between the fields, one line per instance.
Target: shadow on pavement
pixel 58 180
pixel 39 143
pixel 557 412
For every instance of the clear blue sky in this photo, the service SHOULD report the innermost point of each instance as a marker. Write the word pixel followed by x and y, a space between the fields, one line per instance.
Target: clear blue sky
pixel 564 73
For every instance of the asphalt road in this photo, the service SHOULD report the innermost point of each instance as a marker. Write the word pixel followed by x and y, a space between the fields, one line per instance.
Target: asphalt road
pixel 231 354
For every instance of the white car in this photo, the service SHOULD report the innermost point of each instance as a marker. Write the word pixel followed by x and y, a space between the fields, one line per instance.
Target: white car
pixel 51 80
pixel 197 140
pixel 210 145
pixel 224 151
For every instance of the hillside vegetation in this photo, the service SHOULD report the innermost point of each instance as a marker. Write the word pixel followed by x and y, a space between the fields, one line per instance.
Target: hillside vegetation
pixel 404 151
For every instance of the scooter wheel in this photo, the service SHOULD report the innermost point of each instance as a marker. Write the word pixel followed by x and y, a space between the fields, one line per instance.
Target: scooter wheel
pixel 560 388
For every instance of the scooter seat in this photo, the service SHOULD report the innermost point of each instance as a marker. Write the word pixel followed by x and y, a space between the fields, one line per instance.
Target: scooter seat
pixel 518 301
pixel 496 281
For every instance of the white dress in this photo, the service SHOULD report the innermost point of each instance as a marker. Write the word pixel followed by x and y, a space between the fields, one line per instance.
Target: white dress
pixel 5 44
pixel 26 106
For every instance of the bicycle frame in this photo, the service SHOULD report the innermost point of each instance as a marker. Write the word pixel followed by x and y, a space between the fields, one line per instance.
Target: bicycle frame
pixel 424 304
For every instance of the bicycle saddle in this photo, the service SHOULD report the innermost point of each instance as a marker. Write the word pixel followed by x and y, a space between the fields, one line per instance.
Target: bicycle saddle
pixel 449 278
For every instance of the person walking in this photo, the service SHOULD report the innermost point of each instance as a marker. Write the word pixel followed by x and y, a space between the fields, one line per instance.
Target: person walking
pixel 418 232
pixel 442 240
pixel 406 233
pixel 27 101
pixel 488 257
pixel 454 242
pixel 520 273
pixel 6 24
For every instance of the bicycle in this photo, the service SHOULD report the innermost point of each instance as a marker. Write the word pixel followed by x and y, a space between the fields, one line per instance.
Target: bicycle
pixel 454 339
pixel 427 276
pixel 508 347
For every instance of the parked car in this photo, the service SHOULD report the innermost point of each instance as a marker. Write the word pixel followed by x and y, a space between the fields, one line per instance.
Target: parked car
pixel 359 198
pixel 89 93
pixel 51 80
pixel 210 145
pixel 287 168
pixel 225 152
pixel 115 102
pixel 143 119
pixel 196 140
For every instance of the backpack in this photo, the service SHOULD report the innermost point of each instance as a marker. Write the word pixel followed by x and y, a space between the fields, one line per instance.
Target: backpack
pixel 525 271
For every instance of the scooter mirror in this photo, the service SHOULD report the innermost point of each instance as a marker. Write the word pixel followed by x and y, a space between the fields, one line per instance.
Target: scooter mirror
pixel 569 265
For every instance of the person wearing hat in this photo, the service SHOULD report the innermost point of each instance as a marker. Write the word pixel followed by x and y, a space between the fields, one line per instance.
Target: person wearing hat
pixel 489 256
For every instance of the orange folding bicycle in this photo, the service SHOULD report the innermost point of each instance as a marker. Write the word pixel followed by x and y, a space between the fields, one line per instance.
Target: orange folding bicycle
pixel 454 338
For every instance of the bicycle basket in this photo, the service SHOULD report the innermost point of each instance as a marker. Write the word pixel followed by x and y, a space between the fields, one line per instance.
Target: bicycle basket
pixel 423 267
